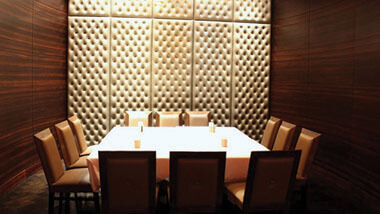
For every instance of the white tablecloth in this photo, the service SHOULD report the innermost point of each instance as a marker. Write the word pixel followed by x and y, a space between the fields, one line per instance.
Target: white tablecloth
pixel 166 139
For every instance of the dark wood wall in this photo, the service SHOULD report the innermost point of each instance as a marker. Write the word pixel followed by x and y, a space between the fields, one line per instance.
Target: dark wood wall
pixel 325 76
pixel 33 37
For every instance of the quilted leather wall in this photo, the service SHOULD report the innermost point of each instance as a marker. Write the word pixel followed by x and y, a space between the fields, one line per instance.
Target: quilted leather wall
pixel 212 70
pixel 88 74
pixel 130 67
pixel 169 55
pixel 251 78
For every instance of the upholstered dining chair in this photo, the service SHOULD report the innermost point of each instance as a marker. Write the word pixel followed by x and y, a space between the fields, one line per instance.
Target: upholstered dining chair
pixel 197 118
pixel 271 175
pixel 196 182
pixel 77 128
pixel 68 146
pixel 59 180
pixel 132 118
pixel 270 132
pixel 284 137
pixel 308 143
pixel 168 119
pixel 128 181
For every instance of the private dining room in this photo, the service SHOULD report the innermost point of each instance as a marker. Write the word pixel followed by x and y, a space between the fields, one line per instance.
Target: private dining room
pixel 190 106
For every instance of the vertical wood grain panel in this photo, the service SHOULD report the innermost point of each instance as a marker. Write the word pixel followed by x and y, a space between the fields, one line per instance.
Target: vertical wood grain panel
pixel 32 81
pixel 16 125
pixel 325 77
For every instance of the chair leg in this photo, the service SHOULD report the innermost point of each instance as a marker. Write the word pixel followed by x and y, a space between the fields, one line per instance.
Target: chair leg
pixel 60 202
pixel 67 203
pixel 96 200
pixel 51 203
pixel 77 203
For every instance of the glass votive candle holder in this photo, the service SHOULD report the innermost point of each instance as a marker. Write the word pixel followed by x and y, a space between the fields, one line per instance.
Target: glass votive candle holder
pixel 224 142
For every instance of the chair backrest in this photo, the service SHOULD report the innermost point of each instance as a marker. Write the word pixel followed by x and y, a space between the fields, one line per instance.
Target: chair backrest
pixel 284 137
pixel 67 142
pixel 48 152
pixel 128 181
pixel 168 119
pixel 197 118
pixel 77 128
pixel 270 132
pixel 308 143
pixel 270 178
pixel 196 181
pixel 132 118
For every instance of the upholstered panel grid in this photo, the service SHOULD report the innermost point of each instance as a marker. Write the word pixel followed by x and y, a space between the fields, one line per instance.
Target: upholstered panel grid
pixel 251 77
pixel 213 10
pixel 132 8
pixel 174 9
pixel 88 74
pixel 252 11
pixel 212 70
pixel 89 7
pixel 169 55
pixel 172 64
pixel 130 67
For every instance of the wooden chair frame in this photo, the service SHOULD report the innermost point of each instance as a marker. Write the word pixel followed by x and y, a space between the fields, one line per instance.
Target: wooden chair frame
pixel 174 157
pixel 251 175
pixel 106 155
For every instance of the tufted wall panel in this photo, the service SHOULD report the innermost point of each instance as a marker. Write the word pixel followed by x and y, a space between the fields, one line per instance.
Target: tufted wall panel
pixel 89 7
pixel 213 10
pixel 172 64
pixel 130 67
pixel 169 55
pixel 88 74
pixel 132 8
pixel 212 70
pixel 175 9
pixel 252 11
pixel 251 78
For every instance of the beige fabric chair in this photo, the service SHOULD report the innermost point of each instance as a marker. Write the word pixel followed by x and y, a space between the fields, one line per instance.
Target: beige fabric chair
pixel 197 118
pixel 308 143
pixel 270 132
pixel 77 128
pixel 133 117
pixel 196 182
pixel 128 181
pixel 270 178
pixel 284 137
pixel 59 180
pixel 68 146
pixel 168 119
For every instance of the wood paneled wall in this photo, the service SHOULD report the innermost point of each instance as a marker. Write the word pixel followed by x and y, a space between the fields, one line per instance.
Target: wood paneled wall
pixel 325 76
pixel 33 37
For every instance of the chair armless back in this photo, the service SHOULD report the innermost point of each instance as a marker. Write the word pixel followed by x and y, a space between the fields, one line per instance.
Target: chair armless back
pixel 270 178
pixel 197 118
pixel 308 143
pixel 128 181
pixel 132 118
pixel 168 119
pixel 284 137
pixel 196 181
pixel 67 142
pixel 77 128
pixel 49 156
pixel 270 132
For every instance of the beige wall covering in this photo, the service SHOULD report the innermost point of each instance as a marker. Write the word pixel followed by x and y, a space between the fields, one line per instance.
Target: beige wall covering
pixel 169 55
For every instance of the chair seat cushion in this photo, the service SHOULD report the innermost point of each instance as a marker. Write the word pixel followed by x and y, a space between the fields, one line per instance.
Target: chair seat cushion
pixel 73 180
pixel 80 163
pixel 88 150
pixel 235 193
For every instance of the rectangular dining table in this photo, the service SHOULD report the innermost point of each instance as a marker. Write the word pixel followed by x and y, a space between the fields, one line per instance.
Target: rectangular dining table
pixel 163 140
